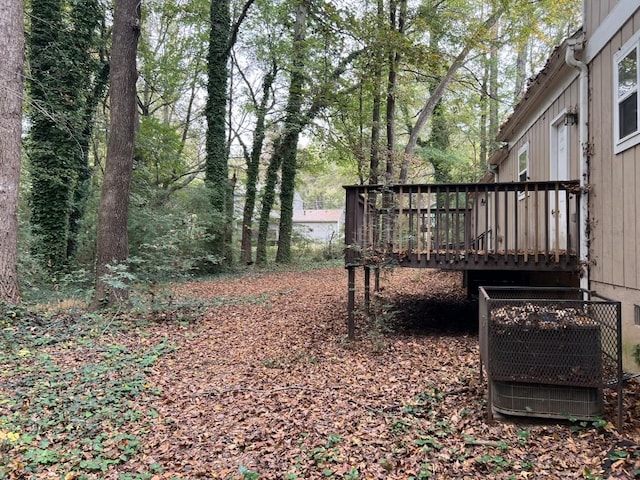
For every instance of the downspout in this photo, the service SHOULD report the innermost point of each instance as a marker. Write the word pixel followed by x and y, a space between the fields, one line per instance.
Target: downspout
pixel 574 45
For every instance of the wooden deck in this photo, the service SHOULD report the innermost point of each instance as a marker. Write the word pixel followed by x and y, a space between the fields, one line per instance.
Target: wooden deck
pixel 529 226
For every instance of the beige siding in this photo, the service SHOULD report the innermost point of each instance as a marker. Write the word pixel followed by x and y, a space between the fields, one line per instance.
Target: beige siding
pixel 615 204
pixel 600 128
pixel 595 12
pixel 637 233
pixel 615 198
pixel 539 139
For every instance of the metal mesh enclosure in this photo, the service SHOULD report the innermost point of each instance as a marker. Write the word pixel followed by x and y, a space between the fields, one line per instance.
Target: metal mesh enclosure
pixel 551 401
pixel 549 337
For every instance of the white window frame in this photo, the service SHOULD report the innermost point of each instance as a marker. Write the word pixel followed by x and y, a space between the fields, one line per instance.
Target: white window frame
pixel 623 143
pixel 524 149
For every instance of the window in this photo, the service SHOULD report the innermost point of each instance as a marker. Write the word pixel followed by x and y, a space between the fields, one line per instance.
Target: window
pixel 523 165
pixel 626 80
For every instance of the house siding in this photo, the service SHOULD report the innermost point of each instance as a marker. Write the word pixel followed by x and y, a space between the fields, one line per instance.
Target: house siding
pixel 538 136
pixel 615 205
pixel 595 13
pixel 614 196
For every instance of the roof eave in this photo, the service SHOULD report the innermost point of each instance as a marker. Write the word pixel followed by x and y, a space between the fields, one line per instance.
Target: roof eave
pixel 555 68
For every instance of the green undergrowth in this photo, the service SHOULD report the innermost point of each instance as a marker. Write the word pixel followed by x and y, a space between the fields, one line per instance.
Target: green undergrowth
pixel 72 396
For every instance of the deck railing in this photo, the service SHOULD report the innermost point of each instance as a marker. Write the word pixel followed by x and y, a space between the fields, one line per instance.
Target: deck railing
pixel 461 226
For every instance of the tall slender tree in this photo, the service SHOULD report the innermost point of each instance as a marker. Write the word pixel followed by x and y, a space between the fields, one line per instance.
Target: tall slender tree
pixel 12 46
pixel 397 19
pixel 289 141
pixel 67 79
pixel 216 169
pixel 477 35
pixel 112 245
pixel 376 116
pixel 253 163
pixel 222 37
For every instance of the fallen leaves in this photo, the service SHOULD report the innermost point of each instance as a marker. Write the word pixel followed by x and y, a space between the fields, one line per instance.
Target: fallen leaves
pixel 273 381
pixel 264 384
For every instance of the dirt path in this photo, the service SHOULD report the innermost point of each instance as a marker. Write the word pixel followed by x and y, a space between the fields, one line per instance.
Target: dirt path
pixel 266 383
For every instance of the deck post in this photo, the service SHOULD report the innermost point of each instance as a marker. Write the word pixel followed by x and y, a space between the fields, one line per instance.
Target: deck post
pixel 367 289
pixel 351 302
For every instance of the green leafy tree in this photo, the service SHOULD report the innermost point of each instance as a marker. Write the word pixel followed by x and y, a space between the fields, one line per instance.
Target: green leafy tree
pixel 67 80
pixel 216 113
pixel 172 60
pixel 253 160
pixel 316 68
pixel 288 146
pixel 221 39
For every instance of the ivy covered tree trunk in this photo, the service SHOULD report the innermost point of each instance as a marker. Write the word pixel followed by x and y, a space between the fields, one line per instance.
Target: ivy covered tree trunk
pixel 92 78
pixel 65 86
pixel 253 167
pixel 112 241
pixel 12 48
pixel 293 126
pixel 268 199
pixel 216 169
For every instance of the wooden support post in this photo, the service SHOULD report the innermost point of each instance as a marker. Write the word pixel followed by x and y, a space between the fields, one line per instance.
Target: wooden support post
pixel 351 302
pixel 367 291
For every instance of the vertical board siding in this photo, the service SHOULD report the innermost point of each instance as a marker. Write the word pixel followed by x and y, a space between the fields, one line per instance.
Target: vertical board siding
pixel 626 165
pixel 636 259
pixel 539 138
pixel 602 174
pixel 616 209
pixel 615 202
pixel 595 13
pixel 629 216
pixel 596 212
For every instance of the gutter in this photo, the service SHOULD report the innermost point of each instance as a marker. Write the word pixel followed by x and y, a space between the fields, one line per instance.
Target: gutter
pixel 577 45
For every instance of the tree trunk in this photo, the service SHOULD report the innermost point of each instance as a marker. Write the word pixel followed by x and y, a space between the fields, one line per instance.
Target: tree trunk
pixel 283 142
pixel 392 87
pixel 376 117
pixel 441 88
pixel 292 127
pixel 396 15
pixel 484 112
pixel 521 72
pixel 112 246
pixel 65 79
pixel 92 81
pixel 494 121
pixel 253 167
pixel 268 199
pixel 216 169
pixel 11 71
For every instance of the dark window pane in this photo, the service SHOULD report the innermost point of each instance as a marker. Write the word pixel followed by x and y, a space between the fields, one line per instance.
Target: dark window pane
pixel 629 115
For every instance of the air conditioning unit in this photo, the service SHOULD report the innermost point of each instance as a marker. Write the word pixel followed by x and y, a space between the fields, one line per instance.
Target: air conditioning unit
pixel 549 352
pixel 547 401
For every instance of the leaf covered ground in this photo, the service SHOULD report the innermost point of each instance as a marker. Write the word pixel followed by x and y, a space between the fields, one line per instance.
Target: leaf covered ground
pixel 259 381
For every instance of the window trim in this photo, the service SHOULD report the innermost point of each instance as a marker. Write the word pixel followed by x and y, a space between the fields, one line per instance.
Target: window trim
pixel 524 149
pixel 624 143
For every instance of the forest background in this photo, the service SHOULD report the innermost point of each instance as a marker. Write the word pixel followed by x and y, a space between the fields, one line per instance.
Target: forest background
pixel 167 138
